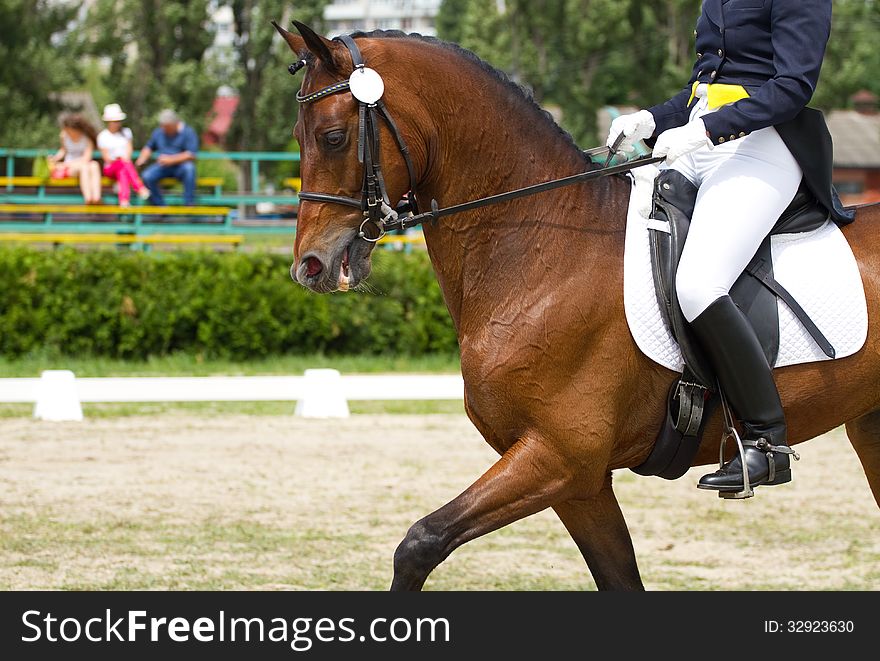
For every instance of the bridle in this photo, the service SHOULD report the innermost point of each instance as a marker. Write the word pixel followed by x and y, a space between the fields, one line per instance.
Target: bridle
pixel 374 201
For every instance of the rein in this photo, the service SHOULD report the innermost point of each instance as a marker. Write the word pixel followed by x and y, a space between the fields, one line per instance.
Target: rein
pixel 436 213
pixel 374 202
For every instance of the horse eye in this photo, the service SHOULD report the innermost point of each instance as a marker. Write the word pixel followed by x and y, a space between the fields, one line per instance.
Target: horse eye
pixel 334 138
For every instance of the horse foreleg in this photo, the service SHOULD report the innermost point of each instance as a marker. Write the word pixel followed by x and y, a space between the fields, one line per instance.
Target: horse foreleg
pixel 527 478
pixel 864 434
pixel 599 530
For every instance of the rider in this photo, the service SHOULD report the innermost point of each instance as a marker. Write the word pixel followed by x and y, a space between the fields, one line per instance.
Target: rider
pixel 740 132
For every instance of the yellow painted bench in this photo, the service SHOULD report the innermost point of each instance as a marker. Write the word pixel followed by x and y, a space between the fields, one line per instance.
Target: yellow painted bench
pixel 40 181
pixel 67 182
pixel 203 182
pixel 47 237
pixel 232 239
pixel 112 209
pixel 403 238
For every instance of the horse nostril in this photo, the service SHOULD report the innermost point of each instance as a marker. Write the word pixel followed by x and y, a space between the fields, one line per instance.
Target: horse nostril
pixel 313 266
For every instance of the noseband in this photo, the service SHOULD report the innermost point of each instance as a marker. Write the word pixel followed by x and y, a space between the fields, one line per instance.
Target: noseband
pixel 374 201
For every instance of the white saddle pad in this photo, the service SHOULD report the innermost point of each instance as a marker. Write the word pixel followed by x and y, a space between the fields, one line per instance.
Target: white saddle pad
pixel 817 268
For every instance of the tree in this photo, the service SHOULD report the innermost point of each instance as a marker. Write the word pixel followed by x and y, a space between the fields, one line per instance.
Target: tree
pixel 565 51
pixel 156 52
pixel 852 58
pixel 448 21
pixel 36 65
pixel 265 114
pixel 584 55
pixel 267 107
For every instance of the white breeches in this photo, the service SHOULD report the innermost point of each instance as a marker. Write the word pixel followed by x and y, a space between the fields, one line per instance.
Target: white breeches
pixel 744 185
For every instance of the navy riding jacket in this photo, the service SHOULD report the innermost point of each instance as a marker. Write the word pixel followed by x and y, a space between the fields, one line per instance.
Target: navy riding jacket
pixel 773 48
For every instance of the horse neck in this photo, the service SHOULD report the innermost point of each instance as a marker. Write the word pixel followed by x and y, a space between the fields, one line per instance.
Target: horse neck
pixel 486 140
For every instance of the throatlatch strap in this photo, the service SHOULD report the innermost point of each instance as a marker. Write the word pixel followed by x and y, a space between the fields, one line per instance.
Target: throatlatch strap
pixel 362 129
pixel 377 162
pixel 404 149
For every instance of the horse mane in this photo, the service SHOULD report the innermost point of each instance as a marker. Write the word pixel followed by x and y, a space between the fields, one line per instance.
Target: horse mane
pixel 521 92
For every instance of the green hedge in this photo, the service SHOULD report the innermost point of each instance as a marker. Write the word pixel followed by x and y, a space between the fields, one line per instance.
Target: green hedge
pixel 220 305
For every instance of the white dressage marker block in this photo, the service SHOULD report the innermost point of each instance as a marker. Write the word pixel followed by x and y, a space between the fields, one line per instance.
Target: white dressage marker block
pixel 57 397
pixel 324 396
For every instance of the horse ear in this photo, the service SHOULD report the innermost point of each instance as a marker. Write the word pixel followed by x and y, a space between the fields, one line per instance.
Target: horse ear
pixel 297 44
pixel 321 47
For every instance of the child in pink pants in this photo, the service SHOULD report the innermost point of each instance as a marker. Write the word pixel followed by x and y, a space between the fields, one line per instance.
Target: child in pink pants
pixel 115 143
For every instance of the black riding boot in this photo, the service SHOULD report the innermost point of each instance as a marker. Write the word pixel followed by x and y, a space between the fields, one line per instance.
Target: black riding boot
pixel 747 382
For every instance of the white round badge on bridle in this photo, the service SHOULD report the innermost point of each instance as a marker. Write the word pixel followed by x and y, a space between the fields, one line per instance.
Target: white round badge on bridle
pixel 366 85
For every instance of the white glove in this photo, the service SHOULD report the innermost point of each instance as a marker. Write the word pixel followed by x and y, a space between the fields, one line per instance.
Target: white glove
pixel 635 126
pixel 677 142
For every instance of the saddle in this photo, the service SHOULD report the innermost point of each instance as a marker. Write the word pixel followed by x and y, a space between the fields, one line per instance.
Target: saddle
pixel 692 397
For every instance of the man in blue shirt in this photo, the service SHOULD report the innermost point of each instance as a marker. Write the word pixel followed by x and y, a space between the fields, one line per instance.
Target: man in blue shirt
pixel 177 146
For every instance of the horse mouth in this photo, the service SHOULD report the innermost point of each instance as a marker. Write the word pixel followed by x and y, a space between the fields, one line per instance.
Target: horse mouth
pixel 342 269
pixel 354 264
pixel 348 272
pixel 344 283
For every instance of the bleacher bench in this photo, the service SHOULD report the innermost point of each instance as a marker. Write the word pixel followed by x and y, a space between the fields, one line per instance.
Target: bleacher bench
pixel 201 182
pixel 68 182
pixel 112 209
pixel 58 238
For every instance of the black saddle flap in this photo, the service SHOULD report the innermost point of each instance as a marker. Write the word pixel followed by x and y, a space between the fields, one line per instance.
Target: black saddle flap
pixel 674 200
pixel 804 214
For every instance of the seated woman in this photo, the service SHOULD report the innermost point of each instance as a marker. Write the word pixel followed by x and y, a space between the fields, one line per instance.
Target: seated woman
pixel 115 143
pixel 74 159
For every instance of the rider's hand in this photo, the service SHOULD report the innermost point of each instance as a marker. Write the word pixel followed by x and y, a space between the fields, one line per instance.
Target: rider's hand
pixel 677 142
pixel 635 126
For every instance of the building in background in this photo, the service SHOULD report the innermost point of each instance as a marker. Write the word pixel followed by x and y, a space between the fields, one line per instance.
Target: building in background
pixel 223 58
pixel 856 135
pixel 222 50
pixel 343 16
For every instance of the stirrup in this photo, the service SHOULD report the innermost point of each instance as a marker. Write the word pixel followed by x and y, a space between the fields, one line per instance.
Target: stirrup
pixel 730 432
pixel 760 443
pixel 747 490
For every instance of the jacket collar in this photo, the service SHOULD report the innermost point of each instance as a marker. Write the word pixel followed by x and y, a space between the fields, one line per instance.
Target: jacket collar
pixel 713 11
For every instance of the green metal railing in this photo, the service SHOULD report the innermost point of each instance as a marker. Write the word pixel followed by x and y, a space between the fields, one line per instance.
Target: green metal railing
pixel 253 157
pixel 251 160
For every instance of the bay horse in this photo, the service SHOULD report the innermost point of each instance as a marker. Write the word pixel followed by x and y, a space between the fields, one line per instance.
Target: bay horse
pixel 553 379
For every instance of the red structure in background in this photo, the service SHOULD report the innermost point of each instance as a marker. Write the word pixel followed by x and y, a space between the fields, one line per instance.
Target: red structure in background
pixel 220 119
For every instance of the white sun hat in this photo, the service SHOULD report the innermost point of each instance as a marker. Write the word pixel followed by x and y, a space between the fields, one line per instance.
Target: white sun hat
pixel 113 113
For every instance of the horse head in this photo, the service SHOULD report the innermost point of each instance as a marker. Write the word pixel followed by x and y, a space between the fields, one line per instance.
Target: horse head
pixel 330 251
